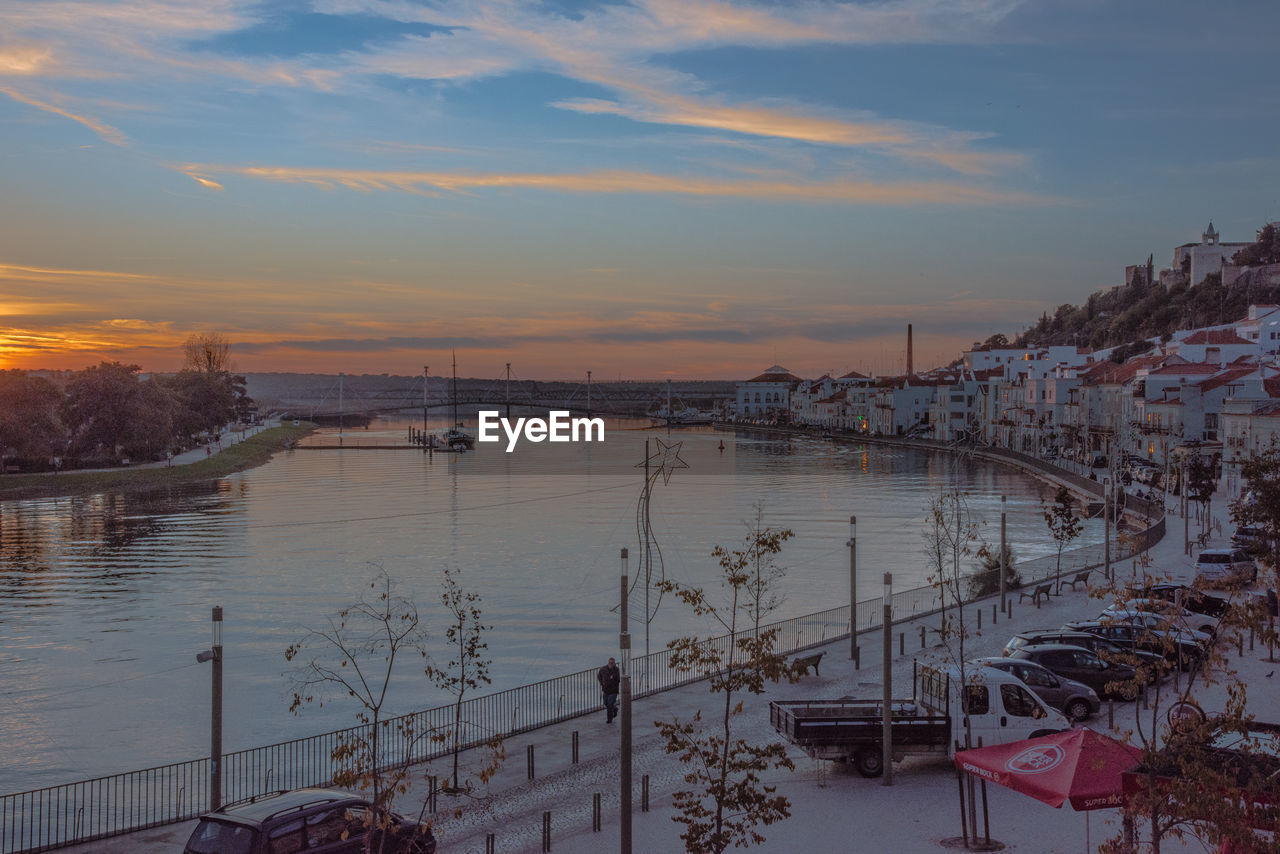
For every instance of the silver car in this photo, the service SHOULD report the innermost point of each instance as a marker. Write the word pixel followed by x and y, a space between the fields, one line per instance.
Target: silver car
pixel 1075 699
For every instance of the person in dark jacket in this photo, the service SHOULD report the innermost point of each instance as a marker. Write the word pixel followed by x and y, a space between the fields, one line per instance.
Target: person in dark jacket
pixel 609 677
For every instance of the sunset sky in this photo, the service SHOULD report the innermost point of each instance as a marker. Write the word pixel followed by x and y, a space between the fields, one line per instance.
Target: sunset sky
pixel 655 188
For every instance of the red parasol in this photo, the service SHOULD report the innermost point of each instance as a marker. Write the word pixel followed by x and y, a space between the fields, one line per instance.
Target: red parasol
pixel 1079 765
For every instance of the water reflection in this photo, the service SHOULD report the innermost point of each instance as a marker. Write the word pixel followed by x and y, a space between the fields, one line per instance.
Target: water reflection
pixel 105 599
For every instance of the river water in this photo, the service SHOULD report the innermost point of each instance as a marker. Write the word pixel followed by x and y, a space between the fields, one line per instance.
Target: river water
pixel 106 599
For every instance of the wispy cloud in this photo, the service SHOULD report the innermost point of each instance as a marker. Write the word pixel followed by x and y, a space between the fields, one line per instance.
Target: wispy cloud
pixel 105 131
pixel 834 191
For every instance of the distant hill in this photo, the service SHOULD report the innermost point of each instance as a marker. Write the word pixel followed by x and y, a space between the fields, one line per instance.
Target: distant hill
pixel 1142 310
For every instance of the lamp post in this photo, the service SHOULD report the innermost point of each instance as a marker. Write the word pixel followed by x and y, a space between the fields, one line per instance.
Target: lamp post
pixel 886 715
pixel 1004 557
pixel 1106 527
pixel 215 723
pixel 624 685
pixel 853 592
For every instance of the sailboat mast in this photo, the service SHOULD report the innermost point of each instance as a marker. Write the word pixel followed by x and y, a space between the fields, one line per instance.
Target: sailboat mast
pixel 455 389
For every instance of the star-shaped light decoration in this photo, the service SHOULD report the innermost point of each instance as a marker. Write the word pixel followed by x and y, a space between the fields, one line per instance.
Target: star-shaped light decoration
pixel 665 460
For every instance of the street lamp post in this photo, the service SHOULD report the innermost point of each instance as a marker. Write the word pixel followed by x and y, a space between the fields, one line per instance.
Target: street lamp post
pixel 886 715
pixel 1106 527
pixel 215 722
pixel 853 592
pixel 624 649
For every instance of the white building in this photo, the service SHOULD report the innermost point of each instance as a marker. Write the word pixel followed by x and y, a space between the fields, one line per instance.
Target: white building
pixel 767 397
pixel 1206 257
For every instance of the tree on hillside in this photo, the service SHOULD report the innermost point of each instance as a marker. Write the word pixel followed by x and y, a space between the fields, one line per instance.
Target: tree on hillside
pixel 208 352
pixel 1064 525
pixel 30 422
pixel 355 657
pixel 727 799
pixel 1265 250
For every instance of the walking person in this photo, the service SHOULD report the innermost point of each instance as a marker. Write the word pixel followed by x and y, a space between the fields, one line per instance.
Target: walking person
pixel 609 677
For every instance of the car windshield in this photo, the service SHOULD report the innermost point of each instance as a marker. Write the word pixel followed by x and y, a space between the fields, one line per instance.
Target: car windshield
pixel 216 837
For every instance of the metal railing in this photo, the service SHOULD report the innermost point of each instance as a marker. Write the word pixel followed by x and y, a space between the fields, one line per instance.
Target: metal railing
pixel 48 818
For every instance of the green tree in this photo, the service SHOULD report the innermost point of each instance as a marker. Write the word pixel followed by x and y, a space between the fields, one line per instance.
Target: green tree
pixel 30 423
pixel 1064 525
pixel 109 413
pixel 206 401
pixel 728 800
pixel 1259 505
pixel 1265 250
pixel 1202 482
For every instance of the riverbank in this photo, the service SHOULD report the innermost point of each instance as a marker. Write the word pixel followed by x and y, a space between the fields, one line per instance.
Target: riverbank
pixel 253 451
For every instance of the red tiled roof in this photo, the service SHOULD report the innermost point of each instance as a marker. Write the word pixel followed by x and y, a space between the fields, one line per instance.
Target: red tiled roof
pixel 1227 376
pixel 1214 336
pixel 1188 369
pixel 785 377
pixel 854 375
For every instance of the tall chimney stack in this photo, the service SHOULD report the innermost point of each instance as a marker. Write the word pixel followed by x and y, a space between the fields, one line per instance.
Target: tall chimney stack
pixel 909 364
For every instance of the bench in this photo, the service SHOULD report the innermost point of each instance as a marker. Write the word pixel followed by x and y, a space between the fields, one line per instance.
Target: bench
pixel 1081 577
pixel 800 665
pixel 1042 591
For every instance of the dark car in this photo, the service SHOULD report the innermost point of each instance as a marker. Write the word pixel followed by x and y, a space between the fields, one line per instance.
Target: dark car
pixel 1153 663
pixel 1176 649
pixel 1075 699
pixel 1109 679
pixel 1193 600
pixel 318 821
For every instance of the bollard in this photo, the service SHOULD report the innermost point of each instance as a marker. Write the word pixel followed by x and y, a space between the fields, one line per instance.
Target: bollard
pixel 993 615
pixel 1111 714
pixel 595 813
pixel 431 794
pixel 979 619
pixel 529 758
pixel 575 747
pixel 1240 644
pixel 644 793
pixel 922 637
pixel 902 643
pixel 1251 639
pixel 490 844
pixel 1010 614
pixel 546 832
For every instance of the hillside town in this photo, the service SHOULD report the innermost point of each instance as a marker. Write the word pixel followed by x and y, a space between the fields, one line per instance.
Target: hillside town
pixel 1212 391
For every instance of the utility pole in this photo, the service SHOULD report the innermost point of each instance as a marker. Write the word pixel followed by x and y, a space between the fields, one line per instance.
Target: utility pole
pixel 1106 527
pixel 624 649
pixel 887 712
pixel 853 592
pixel 215 719
pixel 1004 558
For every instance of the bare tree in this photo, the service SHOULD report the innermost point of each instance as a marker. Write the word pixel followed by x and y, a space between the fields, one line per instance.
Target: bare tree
pixel 466 670
pixel 207 352
pixel 727 799
pixel 355 658
pixel 1064 525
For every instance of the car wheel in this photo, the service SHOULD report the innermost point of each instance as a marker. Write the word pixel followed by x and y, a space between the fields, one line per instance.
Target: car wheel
pixel 1078 710
pixel 869 762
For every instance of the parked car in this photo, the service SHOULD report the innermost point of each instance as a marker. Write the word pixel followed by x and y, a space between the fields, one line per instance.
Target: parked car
pixel 1154 663
pixel 1180 616
pixel 1216 567
pixel 1108 679
pixel 318 821
pixel 1154 620
pixel 1248 537
pixel 1077 700
pixel 1176 648
pixel 1190 598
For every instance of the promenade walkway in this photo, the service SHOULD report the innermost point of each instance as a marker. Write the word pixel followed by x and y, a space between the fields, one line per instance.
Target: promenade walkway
pixel 833 810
